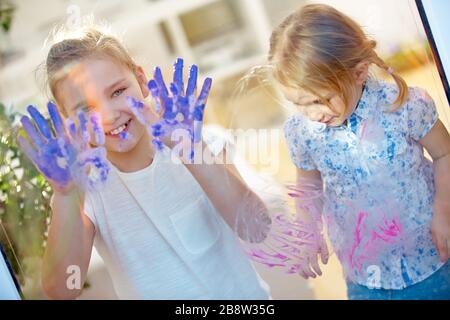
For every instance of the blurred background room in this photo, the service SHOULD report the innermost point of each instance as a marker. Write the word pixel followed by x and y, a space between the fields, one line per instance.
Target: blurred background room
pixel 225 38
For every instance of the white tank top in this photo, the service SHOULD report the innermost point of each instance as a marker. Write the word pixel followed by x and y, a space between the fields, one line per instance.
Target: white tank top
pixel 167 241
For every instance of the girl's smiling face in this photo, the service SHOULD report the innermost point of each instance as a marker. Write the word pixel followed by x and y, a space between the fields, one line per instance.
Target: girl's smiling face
pixel 101 85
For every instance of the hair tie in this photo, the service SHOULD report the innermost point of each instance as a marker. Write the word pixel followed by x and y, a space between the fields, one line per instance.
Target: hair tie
pixel 390 70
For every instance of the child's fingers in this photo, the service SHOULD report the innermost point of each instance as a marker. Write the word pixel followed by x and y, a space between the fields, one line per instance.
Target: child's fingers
pixel 289 242
pixel 302 273
pixel 324 253
pixel 97 156
pixel 306 271
pixel 137 107
pixel 266 257
pixel 442 248
pixel 184 106
pixel 170 110
pixel 448 249
pixel 28 149
pixel 164 93
pixel 99 134
pixel 33 134
pixel 198 127
pixel 285 222
pixel 314 261
pixel 433 238
pixel 204 92
pixel 280 247
pixel 304 244
pixel 198 112
pixel 178 75
pixel 192 82
pixel 56 119
pixel 198 122
pixel 41 122
pixel 310 272
pixel 83 133
pixel 142 111
pixel 72 129
pixel 154 92
pixel 177 99
pixel 94 159
pixel 438 243
pixel 299 242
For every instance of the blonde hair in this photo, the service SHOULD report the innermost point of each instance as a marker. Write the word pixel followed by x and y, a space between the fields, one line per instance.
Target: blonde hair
pixel 318 47
pixel 72 46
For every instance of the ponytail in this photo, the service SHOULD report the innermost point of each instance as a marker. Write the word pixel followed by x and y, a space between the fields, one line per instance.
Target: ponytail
pixel 401 83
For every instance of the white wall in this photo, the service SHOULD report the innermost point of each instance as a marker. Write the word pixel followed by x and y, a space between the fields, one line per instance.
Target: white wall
pixel 389 22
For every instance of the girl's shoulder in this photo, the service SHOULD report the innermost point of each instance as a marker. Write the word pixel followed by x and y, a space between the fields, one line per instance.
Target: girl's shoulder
pixel 297 125
pixel 297 122
pixel 388 92
pixel 419 96
pixel 416 116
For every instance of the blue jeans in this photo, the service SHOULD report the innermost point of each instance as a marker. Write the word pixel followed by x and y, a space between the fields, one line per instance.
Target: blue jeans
pixel 435 287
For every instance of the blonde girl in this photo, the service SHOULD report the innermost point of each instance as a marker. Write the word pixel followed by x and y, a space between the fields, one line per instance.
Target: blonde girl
pixel 162 228
pixel 388 208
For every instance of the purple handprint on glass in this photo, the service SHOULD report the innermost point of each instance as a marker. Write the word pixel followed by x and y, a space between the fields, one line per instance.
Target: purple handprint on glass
pixel 179 109
pixel 64 157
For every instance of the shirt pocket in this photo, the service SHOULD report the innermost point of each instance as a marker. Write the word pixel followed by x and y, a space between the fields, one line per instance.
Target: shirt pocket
pixel 196 226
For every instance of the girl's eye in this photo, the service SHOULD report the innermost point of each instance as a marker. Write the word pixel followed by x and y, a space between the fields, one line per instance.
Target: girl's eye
pixel 86 108
pixel 118 92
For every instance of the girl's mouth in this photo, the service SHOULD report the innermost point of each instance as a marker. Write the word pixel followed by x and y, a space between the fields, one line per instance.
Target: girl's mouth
pixel 116 133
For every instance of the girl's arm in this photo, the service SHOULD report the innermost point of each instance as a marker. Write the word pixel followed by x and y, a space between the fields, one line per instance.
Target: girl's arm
pixel 227 191
pixel 69 246
pixel 222 183
pixel 437 143
pixel 62 153
pixel 312 176
pixel 312 268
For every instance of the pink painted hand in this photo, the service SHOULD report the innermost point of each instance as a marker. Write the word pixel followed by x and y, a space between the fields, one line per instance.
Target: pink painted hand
pixel 370 240
pixel 292 243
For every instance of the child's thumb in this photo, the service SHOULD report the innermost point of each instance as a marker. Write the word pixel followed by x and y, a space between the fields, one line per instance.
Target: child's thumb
pixel 324 253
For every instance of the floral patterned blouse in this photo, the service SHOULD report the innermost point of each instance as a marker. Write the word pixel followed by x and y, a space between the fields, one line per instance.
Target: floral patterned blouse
pixel 378 186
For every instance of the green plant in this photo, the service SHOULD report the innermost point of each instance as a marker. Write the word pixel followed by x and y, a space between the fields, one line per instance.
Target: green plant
pixel 6 15
pixel 24 206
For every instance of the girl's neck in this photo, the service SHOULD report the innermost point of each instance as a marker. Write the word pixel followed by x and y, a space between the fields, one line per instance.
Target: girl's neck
pixel 138 158
pixel 360 91
pixel 357 98
pixel 355 103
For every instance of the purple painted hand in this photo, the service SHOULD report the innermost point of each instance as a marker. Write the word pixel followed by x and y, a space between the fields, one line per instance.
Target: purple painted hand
pixel 64 156
pixel 178 109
